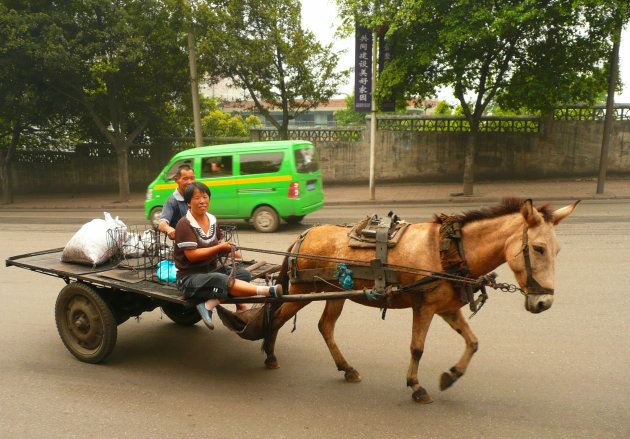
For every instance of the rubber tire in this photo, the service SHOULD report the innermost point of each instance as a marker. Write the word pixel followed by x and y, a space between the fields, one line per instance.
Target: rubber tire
pixel 265 219
pixel 154 215
pixel 180 314
pixel 294 219
pixel 92 338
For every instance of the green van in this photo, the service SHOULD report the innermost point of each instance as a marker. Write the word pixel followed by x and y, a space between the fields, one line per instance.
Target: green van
pixel 259 181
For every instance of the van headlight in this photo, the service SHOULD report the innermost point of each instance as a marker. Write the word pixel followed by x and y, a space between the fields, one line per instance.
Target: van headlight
pixel 149 194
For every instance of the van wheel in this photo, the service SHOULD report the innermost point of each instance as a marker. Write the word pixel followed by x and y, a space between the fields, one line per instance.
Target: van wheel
pixel 155 214
pixel 294 219
pixel 265 219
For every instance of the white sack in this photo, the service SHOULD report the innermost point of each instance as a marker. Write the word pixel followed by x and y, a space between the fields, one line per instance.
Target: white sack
pixel 90 244
pixel 133 246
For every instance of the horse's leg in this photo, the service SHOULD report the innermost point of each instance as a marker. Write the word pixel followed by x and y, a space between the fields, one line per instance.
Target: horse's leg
pixel 458 322
pixel 331 313
pixel 421 320
pixel 281 316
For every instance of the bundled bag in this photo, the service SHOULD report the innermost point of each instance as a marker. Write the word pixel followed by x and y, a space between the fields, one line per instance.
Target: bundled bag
pixel 167 272
pixel 91 245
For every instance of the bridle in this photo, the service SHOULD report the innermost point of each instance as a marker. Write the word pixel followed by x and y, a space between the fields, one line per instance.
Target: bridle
pixel 533 287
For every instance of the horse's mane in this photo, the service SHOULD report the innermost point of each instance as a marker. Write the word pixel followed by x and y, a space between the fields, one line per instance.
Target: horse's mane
pixel 507 206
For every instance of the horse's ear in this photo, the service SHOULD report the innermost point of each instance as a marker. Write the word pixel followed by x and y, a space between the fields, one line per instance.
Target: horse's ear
pixel 531 215
pixel 562 213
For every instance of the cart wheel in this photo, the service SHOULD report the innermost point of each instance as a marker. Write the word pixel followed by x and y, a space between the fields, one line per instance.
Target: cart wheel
pixel 85 323
pixel 180 314
pixel 265 219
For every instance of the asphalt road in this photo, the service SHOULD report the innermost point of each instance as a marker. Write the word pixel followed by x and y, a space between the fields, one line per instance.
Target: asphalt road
pixel 559 374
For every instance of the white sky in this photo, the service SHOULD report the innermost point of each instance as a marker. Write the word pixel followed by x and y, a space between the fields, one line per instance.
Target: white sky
pixel 320 16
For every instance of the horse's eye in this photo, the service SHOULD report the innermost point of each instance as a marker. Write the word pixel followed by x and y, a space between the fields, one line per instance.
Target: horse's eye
pixel 539 249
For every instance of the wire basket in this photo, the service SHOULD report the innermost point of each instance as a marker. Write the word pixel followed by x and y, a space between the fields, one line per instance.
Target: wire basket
pixel 148 253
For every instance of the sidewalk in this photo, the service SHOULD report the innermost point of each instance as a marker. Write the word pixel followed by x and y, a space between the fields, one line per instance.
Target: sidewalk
pixel 358 194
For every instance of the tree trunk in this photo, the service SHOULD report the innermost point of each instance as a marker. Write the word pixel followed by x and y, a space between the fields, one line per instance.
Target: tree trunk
pixel 610 102
pixel 5 179
pixel 469 158
pixel 283 131
pixel 6 160
pixel 122 159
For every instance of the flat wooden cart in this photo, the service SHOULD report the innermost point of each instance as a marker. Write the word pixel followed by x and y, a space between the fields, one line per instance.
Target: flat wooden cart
pixel 96 300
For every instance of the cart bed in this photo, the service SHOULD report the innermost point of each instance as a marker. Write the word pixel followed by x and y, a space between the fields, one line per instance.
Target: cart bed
pixel 109 275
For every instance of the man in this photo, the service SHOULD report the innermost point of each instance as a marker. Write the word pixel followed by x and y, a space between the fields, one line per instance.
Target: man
pixel 175 207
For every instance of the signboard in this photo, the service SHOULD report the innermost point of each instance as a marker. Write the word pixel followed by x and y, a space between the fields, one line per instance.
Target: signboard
pixel 363 70
pixel 385 54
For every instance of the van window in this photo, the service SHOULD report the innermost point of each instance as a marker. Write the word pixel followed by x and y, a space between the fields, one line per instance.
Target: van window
pixel 306 160
pixel 170 174
pixel 216 166
pixel 261 163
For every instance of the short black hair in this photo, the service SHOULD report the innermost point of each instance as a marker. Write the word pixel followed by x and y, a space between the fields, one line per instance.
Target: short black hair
pixel 182 168
pixel 190 190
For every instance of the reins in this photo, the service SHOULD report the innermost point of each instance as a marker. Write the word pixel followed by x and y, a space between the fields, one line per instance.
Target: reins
pixel 486 280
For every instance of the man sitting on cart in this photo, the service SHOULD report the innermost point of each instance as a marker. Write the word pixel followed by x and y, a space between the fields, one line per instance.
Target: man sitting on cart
pixel 175 207
pixel 196 253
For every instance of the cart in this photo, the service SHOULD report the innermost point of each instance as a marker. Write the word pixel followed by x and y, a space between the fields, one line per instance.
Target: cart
pixel 96 300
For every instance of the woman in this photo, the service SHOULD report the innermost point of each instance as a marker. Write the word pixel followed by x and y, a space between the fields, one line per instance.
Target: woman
pixel 196 252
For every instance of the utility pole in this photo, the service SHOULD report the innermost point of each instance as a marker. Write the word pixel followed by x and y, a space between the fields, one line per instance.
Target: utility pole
pixel 373 122
pixel 194 82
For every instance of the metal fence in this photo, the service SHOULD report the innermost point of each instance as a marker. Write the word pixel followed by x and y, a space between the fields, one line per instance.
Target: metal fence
pixel 594 112
pixel 490 124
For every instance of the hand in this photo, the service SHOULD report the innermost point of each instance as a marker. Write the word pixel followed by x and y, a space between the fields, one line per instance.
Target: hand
pixel 171 233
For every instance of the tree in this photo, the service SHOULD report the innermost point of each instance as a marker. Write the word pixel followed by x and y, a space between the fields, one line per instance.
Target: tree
pixel 31 114
pixel 220 124
pixel 261 46
pixel 348 116
pixel 443 109
pixel 121 64
pixel 534 54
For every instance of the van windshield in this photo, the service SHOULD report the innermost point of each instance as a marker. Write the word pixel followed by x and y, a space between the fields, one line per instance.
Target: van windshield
pixel 306 160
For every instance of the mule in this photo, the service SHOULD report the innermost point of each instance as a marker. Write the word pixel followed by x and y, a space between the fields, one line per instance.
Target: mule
pixel 514 232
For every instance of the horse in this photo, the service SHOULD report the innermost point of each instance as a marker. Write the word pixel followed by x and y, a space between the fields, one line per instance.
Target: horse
pixel 514 231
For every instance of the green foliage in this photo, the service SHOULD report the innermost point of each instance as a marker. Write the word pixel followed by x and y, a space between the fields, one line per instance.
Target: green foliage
pixel 261 46
pixel 534 54
pixel 443 109
pixel 219 124
pixel 121 65
pixel 348 116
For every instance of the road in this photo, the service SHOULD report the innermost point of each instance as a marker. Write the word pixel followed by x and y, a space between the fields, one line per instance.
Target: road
pixel 559 374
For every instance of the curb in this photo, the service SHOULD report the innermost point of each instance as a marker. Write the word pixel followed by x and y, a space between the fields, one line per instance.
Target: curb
pixel 336 203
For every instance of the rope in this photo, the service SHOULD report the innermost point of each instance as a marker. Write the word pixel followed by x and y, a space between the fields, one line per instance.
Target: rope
pixel 398 268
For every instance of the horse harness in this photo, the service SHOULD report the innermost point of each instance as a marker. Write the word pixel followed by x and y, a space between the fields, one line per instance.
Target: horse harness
pixel 453 260
pixel 372 232
pixel 381 234
pixel 533 287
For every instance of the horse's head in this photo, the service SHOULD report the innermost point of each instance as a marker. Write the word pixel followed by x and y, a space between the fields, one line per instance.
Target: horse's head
pixel 531 254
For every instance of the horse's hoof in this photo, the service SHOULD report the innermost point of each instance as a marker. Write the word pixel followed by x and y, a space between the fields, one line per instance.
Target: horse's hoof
pixel 446 381
pixel 352 376
pixel 421 396
pixel 272 364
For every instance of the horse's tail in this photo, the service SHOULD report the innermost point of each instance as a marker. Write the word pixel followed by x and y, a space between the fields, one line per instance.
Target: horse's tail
pixel 283 279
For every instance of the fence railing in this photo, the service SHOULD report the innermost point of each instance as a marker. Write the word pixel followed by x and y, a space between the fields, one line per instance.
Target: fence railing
pixel 489 124
pixel 591 112
pixel 313 134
